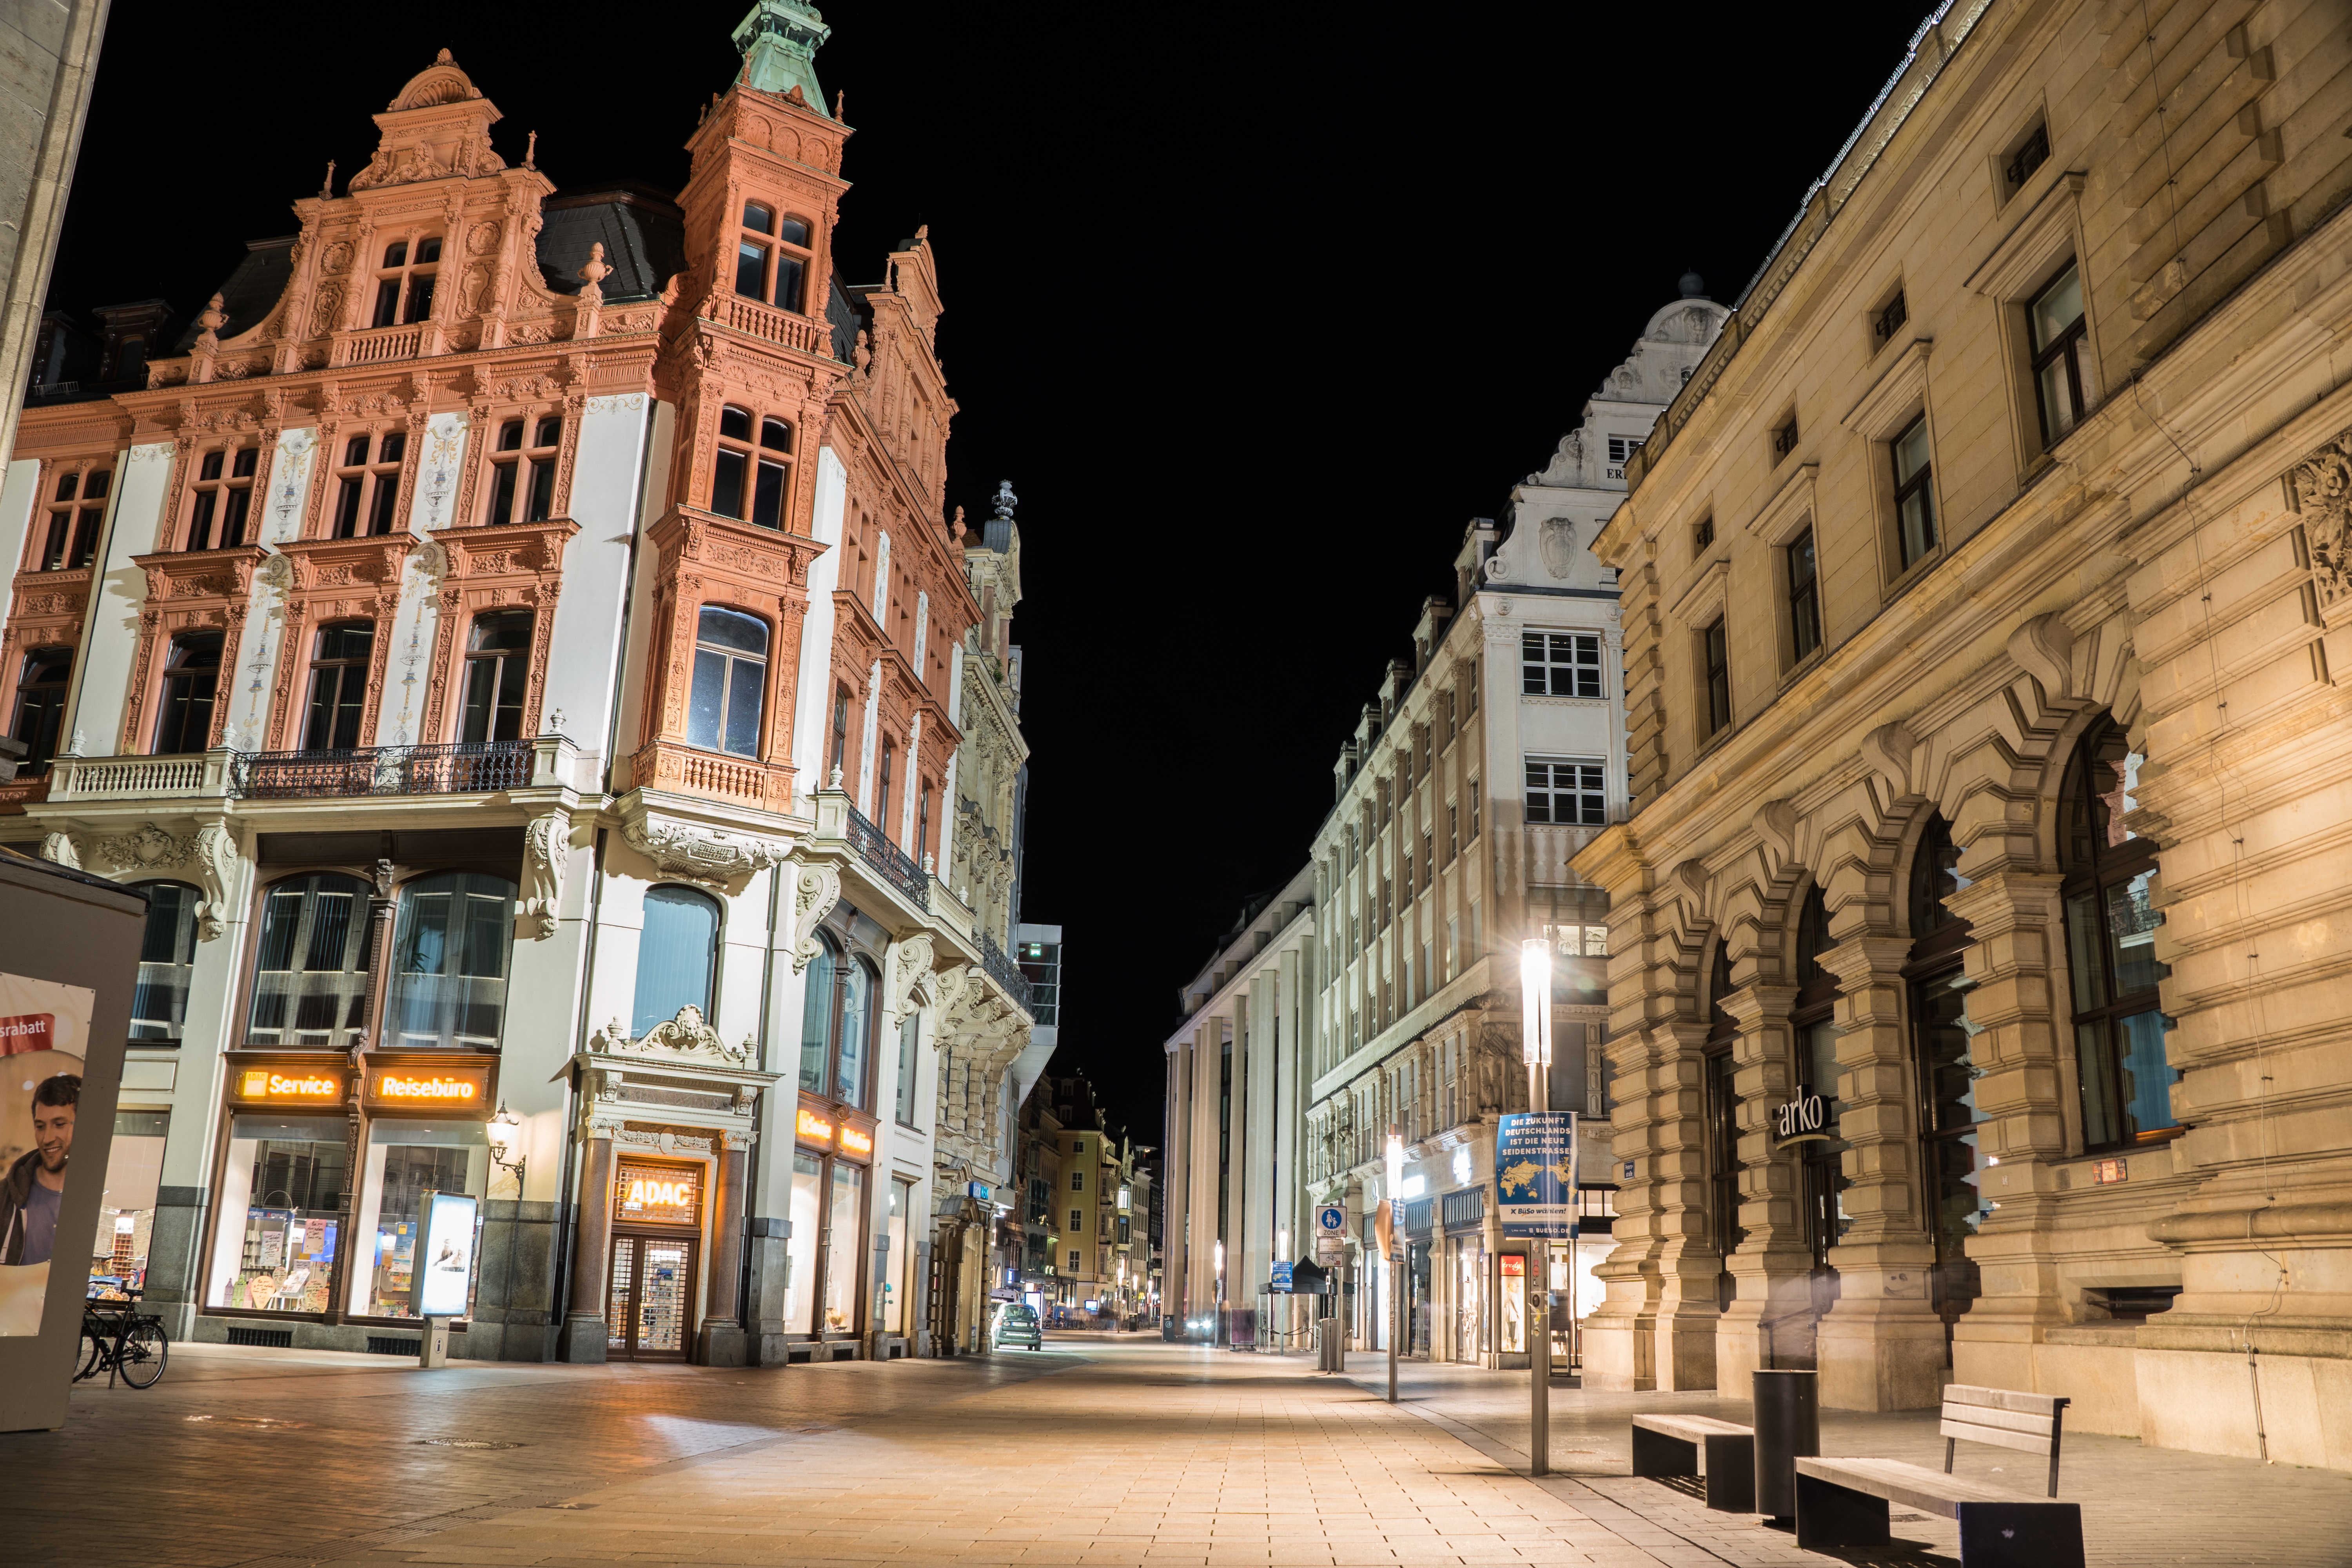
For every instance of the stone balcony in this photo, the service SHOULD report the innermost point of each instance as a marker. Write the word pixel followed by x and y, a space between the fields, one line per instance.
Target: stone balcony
pixel 225 775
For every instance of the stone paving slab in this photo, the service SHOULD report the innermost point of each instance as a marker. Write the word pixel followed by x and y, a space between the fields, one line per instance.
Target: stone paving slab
pixel 2142 1506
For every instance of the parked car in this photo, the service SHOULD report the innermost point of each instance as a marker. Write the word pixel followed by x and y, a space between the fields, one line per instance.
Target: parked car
pixel 1016 1324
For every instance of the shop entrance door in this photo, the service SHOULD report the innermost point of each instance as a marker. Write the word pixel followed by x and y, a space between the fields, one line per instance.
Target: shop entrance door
pixel 649 1303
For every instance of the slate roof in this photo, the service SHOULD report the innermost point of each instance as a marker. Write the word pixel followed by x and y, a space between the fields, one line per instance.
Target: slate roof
pixel 642 230
pixel 252 290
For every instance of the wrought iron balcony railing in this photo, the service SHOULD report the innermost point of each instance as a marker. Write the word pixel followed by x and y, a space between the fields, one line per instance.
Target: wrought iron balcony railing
pixel 1001 968
pixel 463 768
pixel 889 862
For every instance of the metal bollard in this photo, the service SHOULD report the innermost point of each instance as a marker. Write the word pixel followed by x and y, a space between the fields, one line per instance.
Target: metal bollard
pixel 1788 1423
pixel 1331 1350
pixel 433 1347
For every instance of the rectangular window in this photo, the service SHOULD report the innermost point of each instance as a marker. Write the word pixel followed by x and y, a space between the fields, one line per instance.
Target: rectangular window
pixel 1473 811
pixel 1915 503
pixel 2054 325
pixel 1889 320
pixel 907 1061
pixel 1559 663
pixel 1566 793
pixel 1804 595
pixel 1784 439
pixel 1077 1183
pixel 1716 658
pixel 1453 831
pixel 1702 537
pixel 1078 1222
pixel 2030 154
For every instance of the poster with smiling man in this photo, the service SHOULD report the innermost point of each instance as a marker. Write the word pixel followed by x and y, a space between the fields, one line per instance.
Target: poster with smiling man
pixel 44 1034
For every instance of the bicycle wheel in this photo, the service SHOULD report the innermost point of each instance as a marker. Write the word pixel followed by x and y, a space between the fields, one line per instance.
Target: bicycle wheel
pixel 145 1346
pixel 87 1355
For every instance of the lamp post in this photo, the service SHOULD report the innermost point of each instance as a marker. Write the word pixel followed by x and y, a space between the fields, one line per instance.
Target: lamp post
pixel 1535 1047
pixel 1396 1252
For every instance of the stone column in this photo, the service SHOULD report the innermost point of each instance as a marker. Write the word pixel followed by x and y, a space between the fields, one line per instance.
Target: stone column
pixel 1174 1279
pixel 583 1327
pixel 1200 1230
pixel 1770 1320
pixel 2018 1050
pixel 1655 1327
pixel 1881 1347
pixel 722 1339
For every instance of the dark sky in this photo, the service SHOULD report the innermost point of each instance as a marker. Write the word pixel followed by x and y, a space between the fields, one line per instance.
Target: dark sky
pixel 1255 305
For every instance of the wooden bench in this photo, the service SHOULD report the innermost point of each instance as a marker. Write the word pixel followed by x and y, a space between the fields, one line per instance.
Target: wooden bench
pixel 1700 1445
pixel 1843 1502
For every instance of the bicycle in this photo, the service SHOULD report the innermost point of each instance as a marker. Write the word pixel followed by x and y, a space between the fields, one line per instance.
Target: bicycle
pixel 120 1341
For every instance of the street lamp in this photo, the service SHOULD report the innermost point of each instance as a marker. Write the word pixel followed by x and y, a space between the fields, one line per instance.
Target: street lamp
pixel 1396 1252
pixel 1534 1047
pixel 502 1129
pixel 1217 1327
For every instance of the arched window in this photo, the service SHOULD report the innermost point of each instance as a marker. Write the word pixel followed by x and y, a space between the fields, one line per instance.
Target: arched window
pixel 41 685
pixel 751 478
pixel 909 1038
pixel 1939 1044
pixel 1813 1019
pixel 497 673
pixel 2111 947
pixel 853 1059
pixel 816 1017
pixel 522 469
pixel 676 955
pixel 1722 1106
pixel 339 680
pixel 167 957
pixel 450 962
pixel 184 714
pixel 730 680
pixel 367 483
pixel 309 983
pixel 771 257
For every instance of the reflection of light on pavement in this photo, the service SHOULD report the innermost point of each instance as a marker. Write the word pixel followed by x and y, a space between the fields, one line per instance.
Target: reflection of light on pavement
pixel 683 1434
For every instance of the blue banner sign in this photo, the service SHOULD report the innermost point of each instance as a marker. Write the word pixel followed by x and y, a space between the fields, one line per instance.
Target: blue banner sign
pixel 1535 1174
pixel 1281 1276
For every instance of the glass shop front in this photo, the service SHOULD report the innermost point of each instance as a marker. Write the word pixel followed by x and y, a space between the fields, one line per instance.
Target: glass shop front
pixel 320 1206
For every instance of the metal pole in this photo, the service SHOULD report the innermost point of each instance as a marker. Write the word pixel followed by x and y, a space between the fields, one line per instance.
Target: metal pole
pixel 1396 1312
pixel 1539 1334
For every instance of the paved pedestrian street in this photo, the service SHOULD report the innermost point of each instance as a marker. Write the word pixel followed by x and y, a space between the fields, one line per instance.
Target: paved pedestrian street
pixel 1096 1451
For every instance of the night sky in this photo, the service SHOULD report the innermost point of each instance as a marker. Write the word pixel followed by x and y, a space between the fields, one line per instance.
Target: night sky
pixel 1255 305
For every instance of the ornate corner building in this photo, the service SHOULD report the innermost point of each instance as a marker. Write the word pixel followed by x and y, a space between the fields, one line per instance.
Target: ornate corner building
pixel 1976 940
pixel 503 592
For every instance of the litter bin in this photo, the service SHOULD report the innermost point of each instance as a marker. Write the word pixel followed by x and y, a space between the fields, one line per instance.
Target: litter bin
pixel 1788 1426
pixel 1168 1328
pixel 1331 1350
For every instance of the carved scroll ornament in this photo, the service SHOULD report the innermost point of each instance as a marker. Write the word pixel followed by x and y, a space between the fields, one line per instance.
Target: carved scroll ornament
pixel 815 892
pixel 703 855
pixel 546 854
pixel 2319 490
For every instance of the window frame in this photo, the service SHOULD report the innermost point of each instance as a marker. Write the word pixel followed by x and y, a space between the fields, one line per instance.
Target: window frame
pixel 753 458
pixel 220 489
pixel 676 895
pixel 1919 486
pixel 184 938
pixel 1714 677
pixel 1805 634
pixel 732 661
pixel 406 305
pixel 1591 795
pixel 2092 881
pixel 358 935
pixel 171 671
pixel 368 492
pixel 40 753
pixel 346 669
pixel 774 249
pixel 405 897
pixel 76 519
pixel 517 660
pixel 1545 665
pixel 2068 346
pixel 523 479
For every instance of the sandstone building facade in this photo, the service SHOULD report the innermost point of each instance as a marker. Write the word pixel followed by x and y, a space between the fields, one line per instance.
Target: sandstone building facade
pixel 1976 939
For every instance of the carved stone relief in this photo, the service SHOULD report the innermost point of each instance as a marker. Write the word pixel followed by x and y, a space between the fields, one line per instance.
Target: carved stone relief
pixel 704 854
pixel 546 854
pixel 816 890
pixel 2319 490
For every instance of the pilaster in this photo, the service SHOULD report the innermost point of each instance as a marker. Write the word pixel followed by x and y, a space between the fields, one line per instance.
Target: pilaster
pixel 1769 1321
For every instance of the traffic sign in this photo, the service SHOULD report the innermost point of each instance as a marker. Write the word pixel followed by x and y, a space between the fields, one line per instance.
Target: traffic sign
pixel 1331 1219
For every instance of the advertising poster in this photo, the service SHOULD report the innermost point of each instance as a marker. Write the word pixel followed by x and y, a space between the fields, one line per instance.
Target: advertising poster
pixel 446 1257
pixel 1535 1174
pixel 44 1032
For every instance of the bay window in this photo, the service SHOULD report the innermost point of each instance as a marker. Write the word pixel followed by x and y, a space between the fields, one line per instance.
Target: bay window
pixel 730 679
pixel 450 946
pixel 751 471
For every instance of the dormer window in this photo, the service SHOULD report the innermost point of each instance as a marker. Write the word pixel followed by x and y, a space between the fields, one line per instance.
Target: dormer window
pixel 404 290
pixel 752 481
pixel 223 486
pixel 771 257
pixel 522 487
